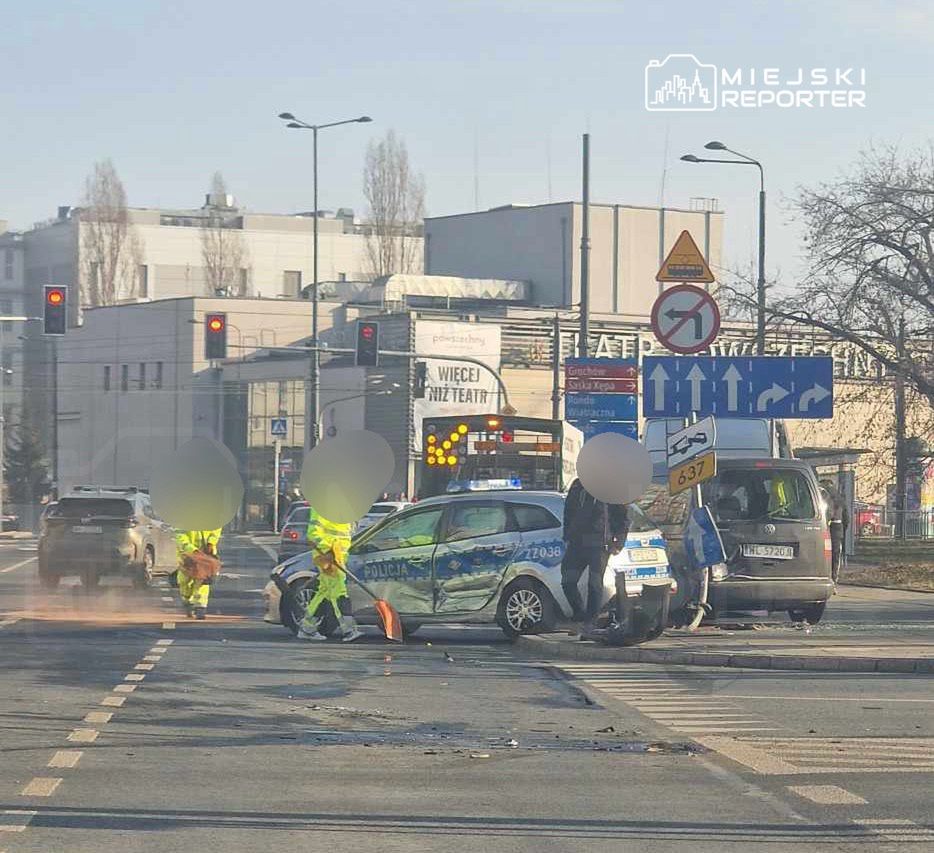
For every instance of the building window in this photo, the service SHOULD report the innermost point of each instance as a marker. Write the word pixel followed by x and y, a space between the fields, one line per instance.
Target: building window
pixel 8 264
pixel 106 377
pixel 158 382
pixel 95 281
pixel 143 280
pixel 244 281
pixel 342 276
pixel 124 377
pixel 292 282
pixel 142 376
pixel 6 308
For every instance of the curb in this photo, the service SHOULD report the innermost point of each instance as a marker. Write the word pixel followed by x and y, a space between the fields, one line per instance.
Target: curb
pixel 891 588
pixel 556 650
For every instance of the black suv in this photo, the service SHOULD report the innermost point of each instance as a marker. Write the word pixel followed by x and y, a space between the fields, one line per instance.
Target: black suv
pixel 102 530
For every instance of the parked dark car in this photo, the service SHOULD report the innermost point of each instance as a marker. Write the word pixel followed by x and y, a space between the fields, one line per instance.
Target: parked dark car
pixel 770 518
pixel 104 530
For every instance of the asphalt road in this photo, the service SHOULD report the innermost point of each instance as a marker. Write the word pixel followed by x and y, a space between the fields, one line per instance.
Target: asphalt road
pixel 125 727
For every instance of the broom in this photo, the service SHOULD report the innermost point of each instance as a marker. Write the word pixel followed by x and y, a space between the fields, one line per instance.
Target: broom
pixel 388 617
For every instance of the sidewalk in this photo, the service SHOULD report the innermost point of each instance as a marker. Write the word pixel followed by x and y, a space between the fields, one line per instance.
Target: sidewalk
pixel 866 630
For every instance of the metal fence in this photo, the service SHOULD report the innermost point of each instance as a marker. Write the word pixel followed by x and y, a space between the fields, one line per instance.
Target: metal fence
pixel 883 523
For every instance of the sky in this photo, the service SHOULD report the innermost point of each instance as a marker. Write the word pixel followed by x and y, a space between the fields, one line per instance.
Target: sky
pixel 497 91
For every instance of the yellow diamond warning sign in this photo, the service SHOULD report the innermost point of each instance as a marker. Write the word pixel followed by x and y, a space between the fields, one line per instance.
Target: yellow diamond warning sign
pixel 685 262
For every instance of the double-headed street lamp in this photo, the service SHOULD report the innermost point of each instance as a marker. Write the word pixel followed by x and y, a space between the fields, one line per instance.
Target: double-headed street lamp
pixel 298 124
pixel 760 285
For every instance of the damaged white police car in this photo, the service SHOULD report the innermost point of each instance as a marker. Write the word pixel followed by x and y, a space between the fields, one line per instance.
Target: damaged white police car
pixel 478 558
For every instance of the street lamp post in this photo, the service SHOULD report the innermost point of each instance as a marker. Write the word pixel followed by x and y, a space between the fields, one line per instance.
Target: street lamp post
pixel 760 284
pixel 298 124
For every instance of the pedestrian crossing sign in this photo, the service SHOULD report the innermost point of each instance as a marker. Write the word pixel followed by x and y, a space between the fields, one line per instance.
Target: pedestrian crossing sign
pixel 279 427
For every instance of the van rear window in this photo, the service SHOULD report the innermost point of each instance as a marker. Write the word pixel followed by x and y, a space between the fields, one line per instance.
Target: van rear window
pixel 754 494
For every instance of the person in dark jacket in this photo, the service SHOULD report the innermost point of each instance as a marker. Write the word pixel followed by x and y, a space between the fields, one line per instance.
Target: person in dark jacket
pixel 592 531
pixel 838 519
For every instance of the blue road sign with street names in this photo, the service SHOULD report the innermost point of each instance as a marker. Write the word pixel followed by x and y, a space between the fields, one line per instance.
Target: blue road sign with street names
pixel 737 386
pixel 600 407
pixel 592 428
pixel 279 426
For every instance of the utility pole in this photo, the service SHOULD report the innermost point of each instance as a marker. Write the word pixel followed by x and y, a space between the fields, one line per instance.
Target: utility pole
pixel 556 367
pixel 760 284
pixel 315 365
pixel 585 255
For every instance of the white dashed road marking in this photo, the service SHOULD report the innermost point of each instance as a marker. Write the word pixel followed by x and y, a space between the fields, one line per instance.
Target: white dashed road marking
pixel 145 666
pixel 98 717
pixel 827 795
pixel 41 786
pixel 83 736
pixel 125 688
pixel 164 642
pixel 113 701
pixel 11 621
pixel 134 676
pixel 153 658
pixel 65 758
pixel 168 626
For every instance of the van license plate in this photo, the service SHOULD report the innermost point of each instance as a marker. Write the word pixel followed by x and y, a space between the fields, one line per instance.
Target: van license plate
pixel 87 528
pixel 774 552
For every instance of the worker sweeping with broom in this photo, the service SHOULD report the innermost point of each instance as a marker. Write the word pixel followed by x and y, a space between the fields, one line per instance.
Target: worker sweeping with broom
pixel 330 542
pixel 341 477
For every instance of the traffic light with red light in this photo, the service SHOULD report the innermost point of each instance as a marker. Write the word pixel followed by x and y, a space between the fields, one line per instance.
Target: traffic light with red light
pixel 367 350
pixel 55 310
pixel 215 336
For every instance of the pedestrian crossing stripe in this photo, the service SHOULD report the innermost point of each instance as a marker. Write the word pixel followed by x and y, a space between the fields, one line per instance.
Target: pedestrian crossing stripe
pixel 794 756
pixel 668 701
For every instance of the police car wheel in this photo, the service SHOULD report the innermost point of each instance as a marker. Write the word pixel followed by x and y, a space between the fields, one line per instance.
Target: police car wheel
pixel 293 604
pixel 525 607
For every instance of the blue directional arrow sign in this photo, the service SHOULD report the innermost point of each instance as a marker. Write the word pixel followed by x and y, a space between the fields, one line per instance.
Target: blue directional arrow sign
pixel 600 407
pixel 738 386
pixel 592 428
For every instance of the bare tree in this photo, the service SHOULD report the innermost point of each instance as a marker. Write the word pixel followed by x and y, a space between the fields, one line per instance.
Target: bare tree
pixel 396 206
pixel 110 250
pixel 222 251
pixel 870 244
pixel 870 281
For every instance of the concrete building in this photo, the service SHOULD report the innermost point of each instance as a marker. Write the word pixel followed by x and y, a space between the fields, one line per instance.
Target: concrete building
pixel 541 244
pixel 272 253
pixel 12 304
pixel 267 256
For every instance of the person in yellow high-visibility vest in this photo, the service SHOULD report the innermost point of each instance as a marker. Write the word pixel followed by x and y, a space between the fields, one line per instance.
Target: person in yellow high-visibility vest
pixel 330 542
pixel 195 592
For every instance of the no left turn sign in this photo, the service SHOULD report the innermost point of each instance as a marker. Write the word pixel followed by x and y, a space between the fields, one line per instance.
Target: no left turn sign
pixel 685 319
